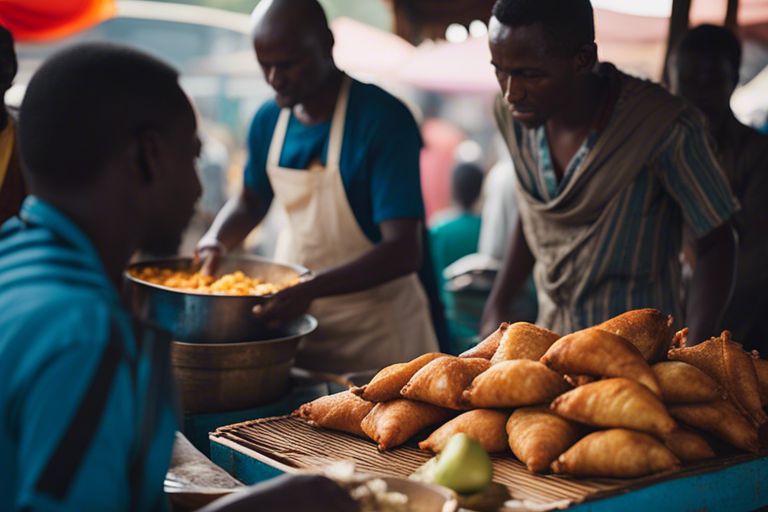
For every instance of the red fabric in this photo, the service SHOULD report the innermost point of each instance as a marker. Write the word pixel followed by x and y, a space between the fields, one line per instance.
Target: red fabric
pixel 42 20
pixel 437 159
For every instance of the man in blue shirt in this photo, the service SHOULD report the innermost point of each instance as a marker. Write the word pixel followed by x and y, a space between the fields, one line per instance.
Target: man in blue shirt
pixel 109 143
pixel 342 158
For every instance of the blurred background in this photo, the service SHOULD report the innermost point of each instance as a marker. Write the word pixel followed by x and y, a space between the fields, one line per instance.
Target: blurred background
pixel 432 54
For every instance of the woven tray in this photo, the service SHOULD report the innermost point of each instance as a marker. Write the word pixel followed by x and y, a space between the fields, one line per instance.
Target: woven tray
pixel 290 444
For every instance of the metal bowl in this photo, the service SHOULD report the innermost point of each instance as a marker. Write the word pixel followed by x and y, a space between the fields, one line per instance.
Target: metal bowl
pixel 235 376
pixel 207 318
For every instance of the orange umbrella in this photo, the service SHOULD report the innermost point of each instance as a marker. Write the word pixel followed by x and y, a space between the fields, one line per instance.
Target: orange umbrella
pixel 43 20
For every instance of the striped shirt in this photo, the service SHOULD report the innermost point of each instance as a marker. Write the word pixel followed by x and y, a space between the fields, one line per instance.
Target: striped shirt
pixel 633 243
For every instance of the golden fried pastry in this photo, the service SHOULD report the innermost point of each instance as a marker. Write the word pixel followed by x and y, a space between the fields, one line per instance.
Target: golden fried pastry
pixel 442 381
pixel 616 453
pixel 727 363
pixel 617 402
pixel 393 423
pixel 537 436
pixel 578 380
pixel 683 383
pixel 522 340
pixel 485 426
pixel 514 383
pixel 599 353
pixel 340 411
pixel 721 419
pixel 688 446
pixel 386 384
pixel 486 348
pixel 647 329
pixel 761 370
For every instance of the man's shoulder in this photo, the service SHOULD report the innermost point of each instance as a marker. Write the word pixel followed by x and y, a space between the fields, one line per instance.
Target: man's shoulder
pixel 375 103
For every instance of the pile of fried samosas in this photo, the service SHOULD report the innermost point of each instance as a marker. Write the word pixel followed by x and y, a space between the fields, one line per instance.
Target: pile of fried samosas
pixel 624 399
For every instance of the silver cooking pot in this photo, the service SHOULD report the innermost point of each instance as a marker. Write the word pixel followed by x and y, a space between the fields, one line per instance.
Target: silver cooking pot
pixel 206 318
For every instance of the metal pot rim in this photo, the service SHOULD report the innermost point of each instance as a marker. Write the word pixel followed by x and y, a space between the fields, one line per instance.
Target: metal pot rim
pixel 304 318
pixel 180 262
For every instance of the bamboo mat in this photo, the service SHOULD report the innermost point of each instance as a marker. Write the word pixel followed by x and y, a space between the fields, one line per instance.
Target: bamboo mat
pixel 293 443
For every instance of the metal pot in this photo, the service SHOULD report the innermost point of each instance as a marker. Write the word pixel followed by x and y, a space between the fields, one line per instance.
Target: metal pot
pixel 206 318
pixel 235 376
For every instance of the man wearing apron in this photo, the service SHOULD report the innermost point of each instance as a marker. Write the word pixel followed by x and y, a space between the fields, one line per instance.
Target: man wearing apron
pixel 341 158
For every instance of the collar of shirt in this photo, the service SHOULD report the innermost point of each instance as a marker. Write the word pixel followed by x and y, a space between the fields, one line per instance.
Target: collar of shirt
pixel 38 212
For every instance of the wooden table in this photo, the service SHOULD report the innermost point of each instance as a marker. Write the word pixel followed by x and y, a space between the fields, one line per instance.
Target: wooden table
pixel 260 449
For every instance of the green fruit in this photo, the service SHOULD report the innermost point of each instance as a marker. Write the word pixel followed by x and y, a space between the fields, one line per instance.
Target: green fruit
pixel 463 466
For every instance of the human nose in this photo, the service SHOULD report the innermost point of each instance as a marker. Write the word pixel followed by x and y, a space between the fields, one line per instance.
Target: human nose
pixel 274 78
pixel 513 90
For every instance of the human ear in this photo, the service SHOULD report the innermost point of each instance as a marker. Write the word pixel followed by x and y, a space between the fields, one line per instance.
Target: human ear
pixel 586 57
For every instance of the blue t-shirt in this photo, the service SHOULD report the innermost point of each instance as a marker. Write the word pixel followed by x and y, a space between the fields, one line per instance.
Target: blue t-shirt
pixel 379 156
pixel 74 379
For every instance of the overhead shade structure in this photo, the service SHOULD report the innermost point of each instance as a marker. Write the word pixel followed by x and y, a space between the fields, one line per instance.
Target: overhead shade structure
pixel 417 20
pixel 45 20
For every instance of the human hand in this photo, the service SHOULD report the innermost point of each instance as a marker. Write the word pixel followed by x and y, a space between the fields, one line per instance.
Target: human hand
pixel 285 305
pixel 208 253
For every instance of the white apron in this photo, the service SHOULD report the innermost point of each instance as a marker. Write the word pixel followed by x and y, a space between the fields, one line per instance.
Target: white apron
pixel 359 331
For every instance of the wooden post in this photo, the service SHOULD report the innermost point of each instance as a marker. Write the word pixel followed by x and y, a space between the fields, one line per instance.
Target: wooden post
pixel 731 15
pixel 678 24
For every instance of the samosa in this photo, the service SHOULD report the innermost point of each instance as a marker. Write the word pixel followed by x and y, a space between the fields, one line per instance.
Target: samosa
pixel 393 423
pixel 537 436
pixel 726 362
pixel 721 419
pixel 513 384
pixel 647 329
pixel 616 453
pixel 486 426
pixel 386 384
pixel 523 340
pixel 486 348
pixel 685 384
pixel 599 353
pixel 341 411
pixel 443 381
pixel 616 402
pixel 688 446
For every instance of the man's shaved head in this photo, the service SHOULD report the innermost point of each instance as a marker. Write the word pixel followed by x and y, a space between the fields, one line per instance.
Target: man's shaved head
pixel 296 16
pixel 294 47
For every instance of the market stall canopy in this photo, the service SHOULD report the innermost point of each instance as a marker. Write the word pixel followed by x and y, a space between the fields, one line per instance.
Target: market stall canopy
pixel 44 20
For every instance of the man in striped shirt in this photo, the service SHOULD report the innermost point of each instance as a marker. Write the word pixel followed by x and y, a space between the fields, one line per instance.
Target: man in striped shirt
pixel 609 168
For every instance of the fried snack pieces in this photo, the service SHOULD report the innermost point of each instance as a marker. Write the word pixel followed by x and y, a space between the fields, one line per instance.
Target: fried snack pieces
pixel 486 348
pixel 683 383
pixel 726 362
pixel 514 383
pixel 523 340
pixel 761 370
pixel 616 453
pixel 442 381
pixel 597 352
pixel 340 411
pixel 688 446
pixel 537 436
pixel 485 426
pixel 615 403
pixel 647 329
pixel 386 384
pixel 721 419
pixel 393 423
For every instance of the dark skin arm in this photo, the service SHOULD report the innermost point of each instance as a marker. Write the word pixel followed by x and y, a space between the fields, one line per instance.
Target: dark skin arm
pixel 236 219
pixel 712 283
pixel 515 269
pixel 398 254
